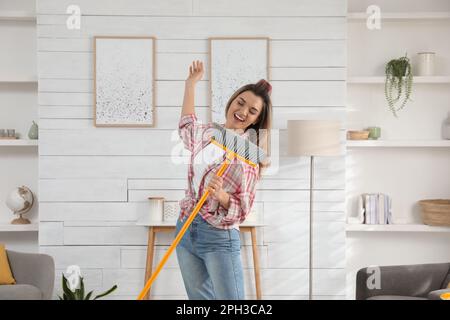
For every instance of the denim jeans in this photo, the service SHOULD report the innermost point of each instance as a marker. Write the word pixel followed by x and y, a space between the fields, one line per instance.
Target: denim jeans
pixel 210 261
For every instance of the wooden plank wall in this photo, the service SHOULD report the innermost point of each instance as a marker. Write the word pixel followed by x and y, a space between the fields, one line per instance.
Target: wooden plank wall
pixel 94 182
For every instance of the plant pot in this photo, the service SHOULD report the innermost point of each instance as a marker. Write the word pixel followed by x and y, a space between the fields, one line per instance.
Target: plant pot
pixel 33 133
pixel 425 66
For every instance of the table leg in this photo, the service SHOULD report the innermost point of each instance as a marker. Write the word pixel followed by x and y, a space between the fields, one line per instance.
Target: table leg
pixel 149 262
pixel 256 263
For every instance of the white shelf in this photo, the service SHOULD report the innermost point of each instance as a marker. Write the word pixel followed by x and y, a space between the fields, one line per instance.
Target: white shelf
pixel 17 16
pixel 394 228
pixel 401 16
pixel 416 79
pixel 173 223
pixel 19 80
pixel 398 143
pixel 18 142
pixel 7 227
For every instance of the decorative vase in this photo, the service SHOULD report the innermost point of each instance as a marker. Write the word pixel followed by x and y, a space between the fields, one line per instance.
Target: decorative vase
pixel 374 133
pixel 426 64
pixel 33 133
pixel 446 128
pixel 156 208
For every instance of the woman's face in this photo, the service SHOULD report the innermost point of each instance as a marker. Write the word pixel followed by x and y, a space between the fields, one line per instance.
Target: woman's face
pixel 244 111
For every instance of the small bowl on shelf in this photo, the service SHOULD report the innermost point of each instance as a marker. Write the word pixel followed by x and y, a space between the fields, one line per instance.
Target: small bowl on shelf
pixel 358 134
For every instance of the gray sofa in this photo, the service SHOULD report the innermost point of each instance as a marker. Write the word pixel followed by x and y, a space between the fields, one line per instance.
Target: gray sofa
pixel 34 274
pixel 405 282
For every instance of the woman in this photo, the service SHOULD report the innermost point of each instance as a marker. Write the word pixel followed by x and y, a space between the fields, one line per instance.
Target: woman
pixel 209 252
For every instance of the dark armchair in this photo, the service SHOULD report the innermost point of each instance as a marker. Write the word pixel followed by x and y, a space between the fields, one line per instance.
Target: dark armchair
pixel 405 282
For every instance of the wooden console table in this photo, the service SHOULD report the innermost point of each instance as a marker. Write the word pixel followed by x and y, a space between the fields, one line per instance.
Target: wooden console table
pixel 156 227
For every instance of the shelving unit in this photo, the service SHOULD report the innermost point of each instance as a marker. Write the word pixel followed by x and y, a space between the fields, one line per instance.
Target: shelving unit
pixel 362 83
pixel 17 16
pixel 400 16
pixel 417 79
pixel 18 143
pixel 33 227
pixel 20 82
pixel 398 143
pixel 395 228
pixel 410 161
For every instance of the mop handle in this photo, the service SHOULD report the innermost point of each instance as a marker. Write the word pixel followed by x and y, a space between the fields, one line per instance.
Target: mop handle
pixel 183 230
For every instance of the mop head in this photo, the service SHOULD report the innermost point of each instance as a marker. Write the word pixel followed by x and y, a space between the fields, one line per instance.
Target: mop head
pixel 240 147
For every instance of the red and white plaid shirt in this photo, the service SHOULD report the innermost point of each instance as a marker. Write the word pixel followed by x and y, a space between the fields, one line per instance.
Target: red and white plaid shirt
pixel 239 179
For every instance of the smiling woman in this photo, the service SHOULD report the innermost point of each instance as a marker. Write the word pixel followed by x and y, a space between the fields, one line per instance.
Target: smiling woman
pixel 209 252
pixel 250 107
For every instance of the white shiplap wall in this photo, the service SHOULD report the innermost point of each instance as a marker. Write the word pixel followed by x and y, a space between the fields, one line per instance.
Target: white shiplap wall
pixel 95 181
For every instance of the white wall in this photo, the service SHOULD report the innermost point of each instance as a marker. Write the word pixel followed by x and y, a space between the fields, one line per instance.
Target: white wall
pixel 18 108
pixel 406 174
pixel 95 181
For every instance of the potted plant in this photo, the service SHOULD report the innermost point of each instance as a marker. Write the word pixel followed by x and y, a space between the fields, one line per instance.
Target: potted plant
pixel 398 84
pixel 79 293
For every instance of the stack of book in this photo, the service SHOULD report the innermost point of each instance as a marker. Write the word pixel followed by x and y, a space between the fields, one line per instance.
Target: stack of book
pixel 376 208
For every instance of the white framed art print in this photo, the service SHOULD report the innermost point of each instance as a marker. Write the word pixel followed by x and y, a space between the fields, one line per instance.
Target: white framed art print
pixel 124 81
pixel 233 63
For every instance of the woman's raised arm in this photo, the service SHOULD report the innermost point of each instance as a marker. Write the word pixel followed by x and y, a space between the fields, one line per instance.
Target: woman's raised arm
pixel 195 74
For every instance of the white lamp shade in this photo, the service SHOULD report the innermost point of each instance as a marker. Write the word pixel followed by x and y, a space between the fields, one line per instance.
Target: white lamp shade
pixel 313 137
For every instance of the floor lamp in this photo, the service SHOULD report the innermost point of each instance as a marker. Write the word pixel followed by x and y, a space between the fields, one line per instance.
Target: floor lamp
pixel 313 138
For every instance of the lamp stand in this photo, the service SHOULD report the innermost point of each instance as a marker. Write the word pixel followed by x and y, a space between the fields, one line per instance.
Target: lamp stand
pixel 311 183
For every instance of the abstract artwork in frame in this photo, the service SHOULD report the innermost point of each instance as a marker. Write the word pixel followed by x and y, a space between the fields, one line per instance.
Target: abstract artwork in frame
pixel 124 81
pixel 233 63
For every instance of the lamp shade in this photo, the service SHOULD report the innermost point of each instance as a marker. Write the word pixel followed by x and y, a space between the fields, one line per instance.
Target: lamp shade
pixel 313 137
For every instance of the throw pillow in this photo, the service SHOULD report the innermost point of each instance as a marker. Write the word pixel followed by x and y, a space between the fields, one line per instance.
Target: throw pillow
pixel 6 276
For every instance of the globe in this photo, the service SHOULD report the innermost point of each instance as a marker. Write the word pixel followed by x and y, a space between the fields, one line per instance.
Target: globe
pixel 20 200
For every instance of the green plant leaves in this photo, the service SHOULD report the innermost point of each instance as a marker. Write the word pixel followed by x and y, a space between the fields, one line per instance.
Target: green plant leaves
pixel 68 294
pixel 106 292
pixel 88 296
pixel 79 293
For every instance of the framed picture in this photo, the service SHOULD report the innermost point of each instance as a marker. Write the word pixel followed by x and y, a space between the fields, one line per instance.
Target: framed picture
pixel 124 81
pixel 234 62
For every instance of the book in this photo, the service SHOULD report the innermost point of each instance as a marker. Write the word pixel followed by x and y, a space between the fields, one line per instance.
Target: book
pixel 375 208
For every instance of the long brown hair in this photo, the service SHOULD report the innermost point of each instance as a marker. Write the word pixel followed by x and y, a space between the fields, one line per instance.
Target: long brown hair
pixel 260 135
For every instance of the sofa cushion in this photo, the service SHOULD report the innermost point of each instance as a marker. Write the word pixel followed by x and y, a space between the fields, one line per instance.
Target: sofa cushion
pixel 393 297
pixel 6 276
pixel 19 292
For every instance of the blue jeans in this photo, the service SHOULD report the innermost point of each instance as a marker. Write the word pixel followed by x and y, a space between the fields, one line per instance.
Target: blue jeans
pixel 210 261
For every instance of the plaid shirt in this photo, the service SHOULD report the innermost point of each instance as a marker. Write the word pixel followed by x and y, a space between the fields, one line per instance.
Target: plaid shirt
pixel 239 179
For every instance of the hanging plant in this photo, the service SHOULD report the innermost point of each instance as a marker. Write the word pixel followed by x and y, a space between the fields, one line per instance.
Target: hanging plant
pixel 398 84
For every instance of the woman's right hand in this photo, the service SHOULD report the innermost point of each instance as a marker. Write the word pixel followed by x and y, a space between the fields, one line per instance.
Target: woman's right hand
pixel 195 72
